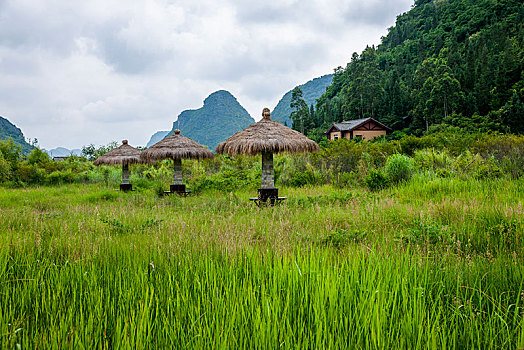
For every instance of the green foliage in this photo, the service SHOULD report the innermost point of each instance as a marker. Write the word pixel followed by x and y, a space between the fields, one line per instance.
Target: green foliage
pixel 399 168
pixel 9 131
pixel 300 110
pixel 300 179
pixel 227 180
pixel 311 90
pixel 488 170
pixel 442 63
pixel 376 180
pixel 5 169
pixel 91 152
pixel 342 237
pixel 11 153
pixel 38 157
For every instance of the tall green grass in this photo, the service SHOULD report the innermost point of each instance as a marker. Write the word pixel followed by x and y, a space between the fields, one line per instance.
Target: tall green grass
pixel 431 263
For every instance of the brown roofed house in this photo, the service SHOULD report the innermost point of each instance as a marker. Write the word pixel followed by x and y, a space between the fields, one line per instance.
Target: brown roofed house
pixel 367 128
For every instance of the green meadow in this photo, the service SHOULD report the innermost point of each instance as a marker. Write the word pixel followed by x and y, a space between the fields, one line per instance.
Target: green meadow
pixel 431 263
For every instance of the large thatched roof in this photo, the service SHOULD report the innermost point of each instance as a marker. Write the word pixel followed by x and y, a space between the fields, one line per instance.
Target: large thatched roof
pixel 123 154
pixel 175 146
pixel 266 136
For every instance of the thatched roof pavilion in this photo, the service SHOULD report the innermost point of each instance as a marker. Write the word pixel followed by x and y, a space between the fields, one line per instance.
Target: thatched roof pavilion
pixel 267 137
pixel 125 155
pixel 176 147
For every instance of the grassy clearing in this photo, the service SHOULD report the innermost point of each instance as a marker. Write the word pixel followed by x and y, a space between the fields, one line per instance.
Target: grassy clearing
pixel 433 263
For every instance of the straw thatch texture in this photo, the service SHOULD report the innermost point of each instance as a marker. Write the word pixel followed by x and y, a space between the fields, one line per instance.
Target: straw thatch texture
pixel 123 154
pixel 266 136
pixel 175 146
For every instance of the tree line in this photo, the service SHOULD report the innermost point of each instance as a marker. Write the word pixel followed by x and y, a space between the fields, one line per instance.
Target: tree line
pixel 444 64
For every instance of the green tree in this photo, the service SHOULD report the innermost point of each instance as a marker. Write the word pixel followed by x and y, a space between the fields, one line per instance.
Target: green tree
pixel 91 152
pixel 300 112
pixel 37 157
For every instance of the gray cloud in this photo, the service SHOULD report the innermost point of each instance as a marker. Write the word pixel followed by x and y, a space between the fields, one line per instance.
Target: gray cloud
pixel 75 73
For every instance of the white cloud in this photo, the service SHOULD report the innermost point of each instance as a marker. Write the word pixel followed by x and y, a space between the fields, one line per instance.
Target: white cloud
pixel 74 73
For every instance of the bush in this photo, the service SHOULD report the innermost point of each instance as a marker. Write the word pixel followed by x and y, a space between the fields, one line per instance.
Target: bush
pixel 399 168
pixel 60 177
pixel 376 180
pixel 431 159
pixel 488 170
pixel 5 170
pixel 37 157
pixel 30 174
pixel 303 178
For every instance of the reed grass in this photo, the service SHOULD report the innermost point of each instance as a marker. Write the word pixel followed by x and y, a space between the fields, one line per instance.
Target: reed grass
pixel 431 263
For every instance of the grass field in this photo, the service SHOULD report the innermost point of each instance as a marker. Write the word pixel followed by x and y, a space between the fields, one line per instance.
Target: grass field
pixel 434 263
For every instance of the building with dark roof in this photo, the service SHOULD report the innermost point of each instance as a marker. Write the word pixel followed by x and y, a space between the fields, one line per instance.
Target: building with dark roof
pixel 366 128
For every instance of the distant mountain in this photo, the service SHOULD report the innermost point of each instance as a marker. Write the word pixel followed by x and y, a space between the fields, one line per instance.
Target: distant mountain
pixel 312 90
pixel 159 135
pixel 63 152
pixel 220 117
pixel 9 130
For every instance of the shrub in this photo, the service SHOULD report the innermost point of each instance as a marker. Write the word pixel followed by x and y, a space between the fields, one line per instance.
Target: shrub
pixel 227 180
pixel 60 177
pixel 488 170
pixel 345 179
pixel 302 178
pixel 399 168
pixel 37 157
pixel 4 169
pixel 376 180
pixel 431 159
pixel 30 174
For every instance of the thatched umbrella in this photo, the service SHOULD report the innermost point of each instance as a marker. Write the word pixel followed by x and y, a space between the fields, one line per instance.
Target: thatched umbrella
pixel 176 147
pixel 267 137
pixel 124 155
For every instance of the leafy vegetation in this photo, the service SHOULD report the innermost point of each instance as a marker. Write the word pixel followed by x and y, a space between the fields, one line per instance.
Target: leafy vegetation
pixel 10 131
pixel 428 255
pixel 311 91
pixel 444 64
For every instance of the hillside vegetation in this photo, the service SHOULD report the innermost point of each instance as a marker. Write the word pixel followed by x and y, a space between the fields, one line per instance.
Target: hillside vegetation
pixel 220 117
pixel 10 131
pixel 311 90
pixel 454 63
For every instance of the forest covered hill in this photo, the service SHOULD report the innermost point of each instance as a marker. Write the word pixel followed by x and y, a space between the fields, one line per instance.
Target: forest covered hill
pixel 9 131
pixel 311 90
pixel 220 117
pixel 457 63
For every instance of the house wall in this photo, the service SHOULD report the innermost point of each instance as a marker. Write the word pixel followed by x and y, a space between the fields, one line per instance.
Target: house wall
pixel 369 134
pixel 332 135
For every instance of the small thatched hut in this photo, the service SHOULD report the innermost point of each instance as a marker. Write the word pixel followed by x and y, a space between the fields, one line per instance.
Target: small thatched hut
pixel 176 147
pixel 267 137
pixel 124 155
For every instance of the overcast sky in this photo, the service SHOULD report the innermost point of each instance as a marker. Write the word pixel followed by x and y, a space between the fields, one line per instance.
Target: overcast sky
pixel 76 72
